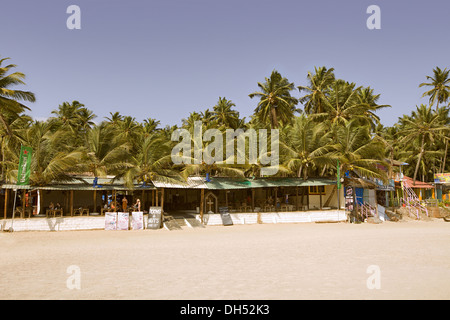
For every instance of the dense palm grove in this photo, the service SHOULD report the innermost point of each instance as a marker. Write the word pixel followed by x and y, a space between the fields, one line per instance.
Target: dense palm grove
pixel 332 120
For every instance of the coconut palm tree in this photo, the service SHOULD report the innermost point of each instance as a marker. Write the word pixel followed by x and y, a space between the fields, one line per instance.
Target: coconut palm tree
pixel 10 144
pixel 103 155
pixel 150 162
pixel 317 89
pixel 440 86
pixel 50 162
pixel 357 151
pixel 9 98
pixel 306 147
pixel 276 102
pixel 422 127
pixel 224 114
pixel 344 103
pixel 370 100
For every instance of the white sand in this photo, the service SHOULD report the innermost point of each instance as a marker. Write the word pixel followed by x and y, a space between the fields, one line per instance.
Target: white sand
pixel 270 261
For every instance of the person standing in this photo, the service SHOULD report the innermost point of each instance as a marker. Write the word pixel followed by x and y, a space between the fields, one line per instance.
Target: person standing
pixel 124 204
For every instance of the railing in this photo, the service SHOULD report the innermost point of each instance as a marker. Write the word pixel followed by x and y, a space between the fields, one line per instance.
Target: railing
pixel 412 201
pixel 367 210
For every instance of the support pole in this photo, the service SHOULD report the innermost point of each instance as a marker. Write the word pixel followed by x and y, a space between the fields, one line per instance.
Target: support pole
pixel 71 202
pixel 162 199
pixel 6 202
pixel 115 200
pixel 202 197
pixel 276 199
pixel 13 213
pixel 320 197
pixel 253 199
pixel 22 215
pixel 95 200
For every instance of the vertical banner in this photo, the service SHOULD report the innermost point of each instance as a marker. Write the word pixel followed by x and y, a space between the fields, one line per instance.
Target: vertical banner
pixel 23 175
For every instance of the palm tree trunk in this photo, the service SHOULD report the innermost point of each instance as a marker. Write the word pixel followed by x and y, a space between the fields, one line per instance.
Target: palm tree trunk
pixel 419 159
pixel 273 113
pixel 445 156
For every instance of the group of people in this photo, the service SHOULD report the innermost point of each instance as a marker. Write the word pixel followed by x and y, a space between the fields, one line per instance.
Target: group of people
pixel 136 206
pixel 52 206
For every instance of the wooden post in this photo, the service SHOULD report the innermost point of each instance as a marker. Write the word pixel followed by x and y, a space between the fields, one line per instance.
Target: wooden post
pixel 6 202
pixel 253 199
pixel 41 202
pixel 226 198
pixel 320 196
pixel 296 198
pixel 22 215
pixel 71 202
pixel 202 197
pixel 276 199
pixel 115 200
pixel 162 199
pixel 307 198
pixel 156 197
pixel 153 198
pixel 95 201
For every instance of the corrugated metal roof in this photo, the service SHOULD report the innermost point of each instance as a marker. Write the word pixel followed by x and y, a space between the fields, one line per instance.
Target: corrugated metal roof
pixel 215 183
pixel 220 183
pixel 191 183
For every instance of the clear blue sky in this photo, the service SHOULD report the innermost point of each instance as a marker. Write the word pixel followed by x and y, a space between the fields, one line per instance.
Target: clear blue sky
pixel 166 58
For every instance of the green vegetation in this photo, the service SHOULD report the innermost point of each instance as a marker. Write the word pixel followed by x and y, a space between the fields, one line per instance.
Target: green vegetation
pixel 337 120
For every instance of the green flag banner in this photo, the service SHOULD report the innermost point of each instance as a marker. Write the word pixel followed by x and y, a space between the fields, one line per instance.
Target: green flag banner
pixel 23 176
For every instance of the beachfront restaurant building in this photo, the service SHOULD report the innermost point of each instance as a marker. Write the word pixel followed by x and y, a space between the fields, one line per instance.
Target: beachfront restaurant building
pixel 311 199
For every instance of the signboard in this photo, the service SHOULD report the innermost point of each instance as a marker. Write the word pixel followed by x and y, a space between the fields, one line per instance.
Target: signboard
pixel 225 215
pixel 137 220
pixel 110 221
pixel 154 218
pixel 123 220
pixel 23 174
pixel 442 177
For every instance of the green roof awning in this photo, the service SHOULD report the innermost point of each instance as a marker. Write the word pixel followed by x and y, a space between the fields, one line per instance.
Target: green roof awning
pixel 215 183
pixel 230 183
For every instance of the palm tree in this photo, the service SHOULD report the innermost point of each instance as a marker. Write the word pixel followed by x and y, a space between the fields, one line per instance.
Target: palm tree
pixel 114 119
pixel 357 151
pixel 370 100
pixel 103 155
pixel 9 98
pixel 276 102
pixel 224 115
pixel 50 163
pixel 10 144
pixel 440 86
pixel 342 104
pixel 443 114
pixel 423 127
pixel 150 162
pixel 67 116
pixel 306 147
pixel 150 125
pixel 317 89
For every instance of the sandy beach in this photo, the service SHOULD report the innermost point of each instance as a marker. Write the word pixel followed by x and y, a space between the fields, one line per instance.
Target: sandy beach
pixel 266 261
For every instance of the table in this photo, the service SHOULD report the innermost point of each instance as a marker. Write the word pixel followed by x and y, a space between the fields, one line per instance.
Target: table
pixel 81 211
pixel 53 212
